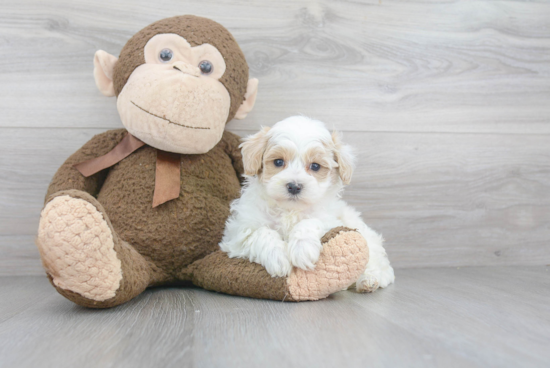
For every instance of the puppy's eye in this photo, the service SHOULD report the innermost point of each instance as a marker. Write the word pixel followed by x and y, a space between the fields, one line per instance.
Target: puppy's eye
pixel 206 67
pixel 165 55
pixel 278 162
pixel 315 166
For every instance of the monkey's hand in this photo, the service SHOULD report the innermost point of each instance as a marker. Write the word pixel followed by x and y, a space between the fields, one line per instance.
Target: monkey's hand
pixel 232 142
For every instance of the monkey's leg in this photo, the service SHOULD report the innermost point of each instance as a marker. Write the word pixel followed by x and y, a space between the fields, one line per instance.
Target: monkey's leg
pixel 343 259
pixel 83 256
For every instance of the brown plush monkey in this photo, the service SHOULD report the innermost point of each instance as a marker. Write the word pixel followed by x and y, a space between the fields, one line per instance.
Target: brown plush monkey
pixel 146 205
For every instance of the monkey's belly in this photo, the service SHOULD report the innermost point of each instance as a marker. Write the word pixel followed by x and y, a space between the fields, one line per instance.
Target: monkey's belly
pixel 178 232
pixel 174 234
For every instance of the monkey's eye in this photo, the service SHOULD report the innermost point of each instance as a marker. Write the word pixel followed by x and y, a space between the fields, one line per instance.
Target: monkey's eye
pixel 279 162
pixel 206 67
pixel 166 55
pixel 315 166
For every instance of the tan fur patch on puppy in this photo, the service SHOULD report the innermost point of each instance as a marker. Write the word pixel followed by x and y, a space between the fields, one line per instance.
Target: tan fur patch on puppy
pixel 273 153
pixel 253 151
pixel 319 156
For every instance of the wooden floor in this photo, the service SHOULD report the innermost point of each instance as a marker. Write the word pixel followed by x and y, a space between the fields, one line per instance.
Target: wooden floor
pixel 445 317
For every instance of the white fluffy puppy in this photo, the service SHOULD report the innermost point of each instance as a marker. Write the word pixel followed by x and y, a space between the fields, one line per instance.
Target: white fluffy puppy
pixel 295 174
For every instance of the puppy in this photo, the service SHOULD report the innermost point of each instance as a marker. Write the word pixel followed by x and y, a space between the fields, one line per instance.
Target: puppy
pixel 295 173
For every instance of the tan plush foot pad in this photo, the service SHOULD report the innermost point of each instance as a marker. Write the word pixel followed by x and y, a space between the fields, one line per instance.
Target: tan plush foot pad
pixel 77 248
pixel 343 259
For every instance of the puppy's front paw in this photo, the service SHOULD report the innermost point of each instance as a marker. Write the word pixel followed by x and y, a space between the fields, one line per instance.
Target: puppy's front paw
pixel 371 280
pixel 277 264
pixel 367 283
pixel 304 252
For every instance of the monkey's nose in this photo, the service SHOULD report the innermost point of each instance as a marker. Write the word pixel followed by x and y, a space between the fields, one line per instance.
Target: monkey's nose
pixel 187 69
pixel 294 188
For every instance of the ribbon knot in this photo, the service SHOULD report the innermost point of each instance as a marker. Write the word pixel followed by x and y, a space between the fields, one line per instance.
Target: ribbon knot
pixel 167 174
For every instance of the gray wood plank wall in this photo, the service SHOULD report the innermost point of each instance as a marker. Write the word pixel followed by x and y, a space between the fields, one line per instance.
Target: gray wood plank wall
pixel 446 102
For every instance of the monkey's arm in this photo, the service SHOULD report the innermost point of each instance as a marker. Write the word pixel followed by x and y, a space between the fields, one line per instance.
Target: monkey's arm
pixel 69 178
pixel 232 142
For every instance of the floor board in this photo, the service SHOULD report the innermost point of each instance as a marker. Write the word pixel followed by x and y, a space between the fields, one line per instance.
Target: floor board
pixel 432 317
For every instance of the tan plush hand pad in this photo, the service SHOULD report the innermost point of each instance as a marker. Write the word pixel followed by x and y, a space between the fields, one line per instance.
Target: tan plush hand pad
pixel 77 248
pixel 342 261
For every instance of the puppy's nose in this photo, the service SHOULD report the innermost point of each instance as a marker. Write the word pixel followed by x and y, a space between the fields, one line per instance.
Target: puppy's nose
pixel 294 188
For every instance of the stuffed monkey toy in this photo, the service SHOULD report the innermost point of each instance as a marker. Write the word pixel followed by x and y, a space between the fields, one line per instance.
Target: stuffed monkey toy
pixel 146 205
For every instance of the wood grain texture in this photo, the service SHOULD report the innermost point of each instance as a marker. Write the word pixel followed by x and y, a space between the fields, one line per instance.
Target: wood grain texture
pixel 445 66
pixel 442 317
pixel 446 103
pixel 438 199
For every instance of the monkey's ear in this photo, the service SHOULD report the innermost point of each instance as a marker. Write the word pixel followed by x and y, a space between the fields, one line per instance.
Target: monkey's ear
pixel 344 157
pixel 252 149
pixel 104 65
pixel 249 99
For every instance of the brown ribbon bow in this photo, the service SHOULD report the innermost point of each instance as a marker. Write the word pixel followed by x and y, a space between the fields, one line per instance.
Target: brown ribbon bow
pixel 167 175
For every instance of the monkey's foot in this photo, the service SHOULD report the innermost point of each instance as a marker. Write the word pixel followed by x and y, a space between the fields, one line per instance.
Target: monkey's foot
pixel 343 259
pixel 77 247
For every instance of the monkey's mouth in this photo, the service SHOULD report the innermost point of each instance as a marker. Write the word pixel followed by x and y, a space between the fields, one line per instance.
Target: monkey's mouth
pixel 168 120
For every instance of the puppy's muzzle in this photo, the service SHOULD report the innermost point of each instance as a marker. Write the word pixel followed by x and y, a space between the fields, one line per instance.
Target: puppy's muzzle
pixel 294 188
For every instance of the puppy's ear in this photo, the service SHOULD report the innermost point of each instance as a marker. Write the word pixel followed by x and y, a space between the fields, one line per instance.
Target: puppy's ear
pixel 343 155
pixel 253 148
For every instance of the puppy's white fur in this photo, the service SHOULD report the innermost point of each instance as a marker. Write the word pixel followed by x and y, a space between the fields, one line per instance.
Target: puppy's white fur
pixel 271 226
